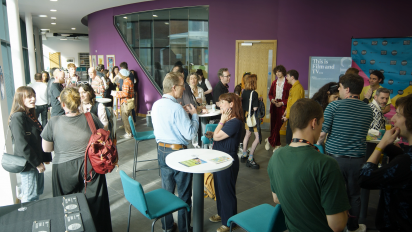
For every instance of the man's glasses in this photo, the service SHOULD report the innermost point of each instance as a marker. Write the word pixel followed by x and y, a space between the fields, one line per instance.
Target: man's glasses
pixel 228 76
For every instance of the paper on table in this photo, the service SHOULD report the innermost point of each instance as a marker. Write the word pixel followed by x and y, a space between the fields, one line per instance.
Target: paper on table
pixel 221 159
pixel 192 162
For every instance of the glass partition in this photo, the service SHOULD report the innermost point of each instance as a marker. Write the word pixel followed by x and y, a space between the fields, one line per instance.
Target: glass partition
pixel 159 39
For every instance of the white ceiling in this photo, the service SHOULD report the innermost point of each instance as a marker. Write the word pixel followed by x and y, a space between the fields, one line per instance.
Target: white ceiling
pixel 68 14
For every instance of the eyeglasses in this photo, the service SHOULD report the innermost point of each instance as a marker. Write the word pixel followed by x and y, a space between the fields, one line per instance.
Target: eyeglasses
pixel 228 76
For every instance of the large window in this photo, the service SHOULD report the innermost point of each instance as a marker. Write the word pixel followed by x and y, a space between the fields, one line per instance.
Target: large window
pixel 160 39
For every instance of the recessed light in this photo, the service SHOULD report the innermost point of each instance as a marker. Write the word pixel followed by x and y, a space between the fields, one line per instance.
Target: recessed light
pixel 42 16
pixel 53 23
pixel 53 0
pixel 44 29
pixel 73 28
pixel 154 15
pixel 53 10
pixel 166 23
pixel 63 39
pixel 53 17
pixel 125 17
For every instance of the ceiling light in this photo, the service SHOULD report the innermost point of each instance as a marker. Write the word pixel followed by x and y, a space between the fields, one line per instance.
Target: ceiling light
pixel 53 23
pixel 53 17
pixel 125 17
pixel 53 0
pixel 42 16
pixel 44 29
pixel 154 15
pixel 73 28
pixel 166 23
pixel 53 10
pixel 63 39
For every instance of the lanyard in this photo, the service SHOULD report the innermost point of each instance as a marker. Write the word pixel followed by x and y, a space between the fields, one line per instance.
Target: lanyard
pixel 296 140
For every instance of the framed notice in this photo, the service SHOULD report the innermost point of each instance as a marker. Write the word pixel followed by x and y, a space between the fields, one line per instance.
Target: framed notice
pixel 100 59
pixel 110 62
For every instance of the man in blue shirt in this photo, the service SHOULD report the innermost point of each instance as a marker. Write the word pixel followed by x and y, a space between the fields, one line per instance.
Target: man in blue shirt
pixel 347 123
pixel 173 130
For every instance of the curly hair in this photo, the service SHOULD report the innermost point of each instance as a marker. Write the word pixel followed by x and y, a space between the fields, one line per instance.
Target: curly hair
pixel 322 96
pixel 406 105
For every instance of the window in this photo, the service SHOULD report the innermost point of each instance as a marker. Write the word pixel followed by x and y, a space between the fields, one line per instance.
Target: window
pixel 159 39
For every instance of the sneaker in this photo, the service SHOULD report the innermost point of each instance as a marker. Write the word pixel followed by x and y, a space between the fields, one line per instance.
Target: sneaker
pixel 215 218
pixel 267 145
pixel 224 228
pixel 252 164
pixel 127 136
pixel 173 229
pixel 362 228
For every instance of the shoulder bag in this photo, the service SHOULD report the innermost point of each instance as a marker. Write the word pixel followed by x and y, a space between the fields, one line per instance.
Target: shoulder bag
pixel 12 163
pixel 250 121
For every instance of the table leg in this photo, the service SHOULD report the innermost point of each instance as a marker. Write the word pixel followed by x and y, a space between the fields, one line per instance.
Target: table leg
pixel 198 200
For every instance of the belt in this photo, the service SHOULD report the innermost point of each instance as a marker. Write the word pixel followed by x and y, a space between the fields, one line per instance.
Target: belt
pixel 175 147
pixel 345 156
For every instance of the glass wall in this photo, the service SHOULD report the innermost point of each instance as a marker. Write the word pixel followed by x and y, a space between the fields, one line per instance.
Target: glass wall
pixel 162 38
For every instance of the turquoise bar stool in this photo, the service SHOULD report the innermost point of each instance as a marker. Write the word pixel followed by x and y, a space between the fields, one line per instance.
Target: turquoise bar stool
pixel 262 218
pixel 155 204
pixel 205 140
pixel 320 147
pixel 140 136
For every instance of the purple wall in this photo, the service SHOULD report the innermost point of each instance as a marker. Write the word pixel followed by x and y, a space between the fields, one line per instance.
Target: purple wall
pixel 302 28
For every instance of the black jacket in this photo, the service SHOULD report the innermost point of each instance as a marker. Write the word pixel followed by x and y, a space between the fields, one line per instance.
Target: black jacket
pixel 27 140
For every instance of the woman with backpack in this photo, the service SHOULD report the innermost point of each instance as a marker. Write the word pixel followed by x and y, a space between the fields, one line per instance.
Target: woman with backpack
pixel 250 104
pixel 25 131
pixel 89 104
pixel 68 136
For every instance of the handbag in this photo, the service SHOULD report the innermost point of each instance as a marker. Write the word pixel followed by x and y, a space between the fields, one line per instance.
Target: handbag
pixel 130 104
pixel 250 121
pixel 12 163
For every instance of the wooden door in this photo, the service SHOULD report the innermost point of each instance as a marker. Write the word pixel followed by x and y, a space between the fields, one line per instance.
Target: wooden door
pixel 259 59
pixel 54 60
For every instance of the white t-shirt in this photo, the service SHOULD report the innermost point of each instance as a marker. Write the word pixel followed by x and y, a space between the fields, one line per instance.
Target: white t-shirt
pixel 200 94
pixel 41 92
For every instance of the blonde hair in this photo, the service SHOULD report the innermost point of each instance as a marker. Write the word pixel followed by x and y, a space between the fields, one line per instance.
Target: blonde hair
pixel 71 65
pixel 171 79
pixel 71 98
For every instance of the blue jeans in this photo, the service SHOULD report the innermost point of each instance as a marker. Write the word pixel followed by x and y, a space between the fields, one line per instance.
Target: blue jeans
pixel 32 185
pixel 170 178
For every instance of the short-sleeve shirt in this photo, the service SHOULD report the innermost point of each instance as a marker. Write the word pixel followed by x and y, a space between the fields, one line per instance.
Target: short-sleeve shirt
pixel 309 185
pixel 55 90
pixel 70 136
pixel 366 88
pixel 245 100
pixel 347 123
pixel 230 145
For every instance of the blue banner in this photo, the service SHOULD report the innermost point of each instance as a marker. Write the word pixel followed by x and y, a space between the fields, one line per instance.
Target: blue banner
pixel 392 56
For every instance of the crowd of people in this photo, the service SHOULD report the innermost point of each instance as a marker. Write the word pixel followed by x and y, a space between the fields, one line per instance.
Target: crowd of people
pixel 318 192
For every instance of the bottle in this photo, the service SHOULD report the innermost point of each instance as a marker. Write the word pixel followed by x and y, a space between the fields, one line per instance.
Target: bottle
pixel 211 102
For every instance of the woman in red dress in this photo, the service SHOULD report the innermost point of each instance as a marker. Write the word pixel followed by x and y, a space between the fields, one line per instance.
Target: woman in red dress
pixel 278 95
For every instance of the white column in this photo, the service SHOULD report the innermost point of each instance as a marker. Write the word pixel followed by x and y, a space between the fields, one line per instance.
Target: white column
pixel 30 45
pixel 37 43
pixel 7 180
pixel 15 43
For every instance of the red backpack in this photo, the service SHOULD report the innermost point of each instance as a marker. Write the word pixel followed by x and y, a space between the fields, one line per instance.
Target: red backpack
pixel 101 151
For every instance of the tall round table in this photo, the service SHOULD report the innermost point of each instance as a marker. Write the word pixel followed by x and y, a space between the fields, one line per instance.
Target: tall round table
pixel 173 159
pixel 204 117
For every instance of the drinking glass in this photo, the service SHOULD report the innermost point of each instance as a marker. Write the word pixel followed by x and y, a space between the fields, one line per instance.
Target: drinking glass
pixel 19 195
pixel 388 124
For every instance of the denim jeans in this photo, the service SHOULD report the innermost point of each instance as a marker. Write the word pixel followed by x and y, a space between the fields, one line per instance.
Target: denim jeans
pixel 171 178
pixel 32 185
pixel 42 110
pixel 350 169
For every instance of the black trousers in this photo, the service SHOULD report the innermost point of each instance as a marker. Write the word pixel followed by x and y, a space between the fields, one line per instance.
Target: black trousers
pixel 225 188
pixel 42 110
pixel 67 178
pixel 289 134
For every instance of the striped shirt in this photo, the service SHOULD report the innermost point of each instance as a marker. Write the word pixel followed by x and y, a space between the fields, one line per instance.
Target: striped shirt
pixel 347 123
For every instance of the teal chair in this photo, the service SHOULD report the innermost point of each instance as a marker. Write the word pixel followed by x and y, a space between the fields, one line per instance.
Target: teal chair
pixel 140 136
pixel 205 140
pixel 320 147
pixel 262 218
pixel 155 204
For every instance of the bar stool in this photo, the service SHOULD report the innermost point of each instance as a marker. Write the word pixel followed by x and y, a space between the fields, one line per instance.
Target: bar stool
pixel 140 136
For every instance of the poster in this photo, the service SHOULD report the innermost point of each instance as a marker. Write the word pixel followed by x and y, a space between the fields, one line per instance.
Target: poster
pixel 94 63
pixel 323 70
pixel 100 59
pixel 110 62
pixel 391 56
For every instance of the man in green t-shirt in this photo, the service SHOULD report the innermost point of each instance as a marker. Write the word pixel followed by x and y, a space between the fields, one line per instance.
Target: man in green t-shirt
pixel 307 183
